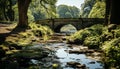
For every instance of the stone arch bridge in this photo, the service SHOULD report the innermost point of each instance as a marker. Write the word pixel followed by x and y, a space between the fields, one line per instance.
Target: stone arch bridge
pixel 56 23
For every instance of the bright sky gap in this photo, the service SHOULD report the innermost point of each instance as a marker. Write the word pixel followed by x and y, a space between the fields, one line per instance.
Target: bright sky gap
pixel 76 3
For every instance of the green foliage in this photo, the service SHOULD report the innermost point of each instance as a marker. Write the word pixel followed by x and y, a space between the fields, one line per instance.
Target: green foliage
pixel 117 33
pixel 112 50
pixel 98 10
pixel 3 8
pixel 78 37
pixel 27 53
pixel 20 39
pixel 93 9
pixel 106 36
pixel 96 30
pixel 68 15
pixel 92 42
pixel 38 9
pixel 99 37
pixel 28 36
pixel 86 7
pixel 15 8
pixel 30 16
pixel 65 11
pixel 41 9
pixel 40 30
pixel 33 67
pixel 88 36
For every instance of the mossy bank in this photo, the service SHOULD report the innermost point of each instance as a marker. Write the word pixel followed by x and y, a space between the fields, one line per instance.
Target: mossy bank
pixel 106 38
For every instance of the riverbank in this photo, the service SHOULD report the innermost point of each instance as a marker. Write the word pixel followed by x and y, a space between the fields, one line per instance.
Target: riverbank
pixel 29 46
pixel 95 40
pixel 106 38
pixel 14 39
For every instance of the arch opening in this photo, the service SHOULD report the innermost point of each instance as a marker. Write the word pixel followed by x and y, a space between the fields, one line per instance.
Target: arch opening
pixel 66 28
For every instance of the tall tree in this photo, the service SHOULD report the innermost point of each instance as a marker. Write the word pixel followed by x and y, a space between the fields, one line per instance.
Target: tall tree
pixel 112 12
pixel 115 12
pixel 39 12
pixel 86 7
pixel 6 11
pixel 65 11
pixel 23 8
pixel 107 11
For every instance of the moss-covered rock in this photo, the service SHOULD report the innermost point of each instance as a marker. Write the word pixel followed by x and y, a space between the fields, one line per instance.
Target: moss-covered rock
pixel 102 37
pixel 106 36
pixel 112 50
pixel 80 36
pixel 116 33
pixel 112 27
pixel 92 42
pixel 28 36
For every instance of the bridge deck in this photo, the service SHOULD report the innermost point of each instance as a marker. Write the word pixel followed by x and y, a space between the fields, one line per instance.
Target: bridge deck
pixel 79 23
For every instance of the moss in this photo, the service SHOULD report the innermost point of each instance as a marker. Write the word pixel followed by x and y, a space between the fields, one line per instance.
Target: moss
pixel 26 54
pixel 112 50
pixel 92 42
pixel 116 33
pixel 80 36
pixel 4 47
pixel 102 37
pixel 28 36
pixel 106 36
pixel 12 51
pixel 108 44
pixel 34 67
pixel 112 27
pixel 40 30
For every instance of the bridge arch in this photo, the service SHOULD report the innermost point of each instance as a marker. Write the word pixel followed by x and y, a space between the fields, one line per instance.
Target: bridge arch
pixel 78 23
pixel 58 27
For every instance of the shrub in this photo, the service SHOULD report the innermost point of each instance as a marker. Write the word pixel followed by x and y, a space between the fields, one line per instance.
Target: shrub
pixel 97 29
pixel 81 35
pixel 40 30
pixel 92 42
pixel 112 50
pixel 78 37
pixel 116 33
pixel 106 36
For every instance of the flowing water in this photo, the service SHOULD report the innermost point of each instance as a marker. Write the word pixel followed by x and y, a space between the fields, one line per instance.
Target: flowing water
pixel 62 57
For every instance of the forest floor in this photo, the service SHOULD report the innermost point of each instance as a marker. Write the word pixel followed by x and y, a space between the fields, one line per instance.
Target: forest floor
pixel 6 28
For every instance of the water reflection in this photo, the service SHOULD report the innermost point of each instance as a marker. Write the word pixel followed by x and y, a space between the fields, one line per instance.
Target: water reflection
pixel 81 58
pixel 62 56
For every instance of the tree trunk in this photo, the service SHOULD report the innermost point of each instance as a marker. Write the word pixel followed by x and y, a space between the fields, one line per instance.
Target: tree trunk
pixel 107 11
pixel 22 9
pixel 115 12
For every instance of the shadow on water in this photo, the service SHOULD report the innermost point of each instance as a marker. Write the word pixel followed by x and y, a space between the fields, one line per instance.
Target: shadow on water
pixel 59 58
pixel 62 57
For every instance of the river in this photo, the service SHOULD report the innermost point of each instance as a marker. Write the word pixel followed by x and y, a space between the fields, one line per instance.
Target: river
pixel 68 56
